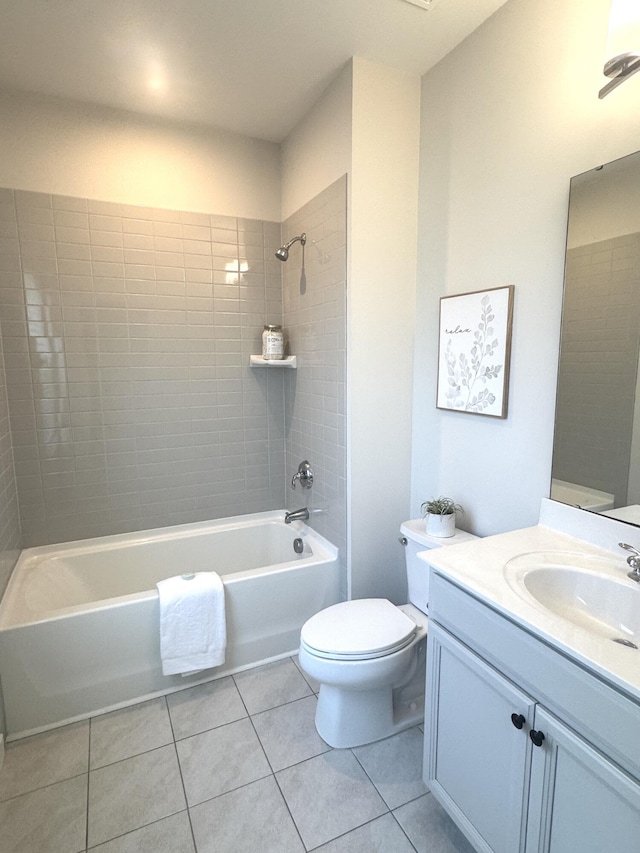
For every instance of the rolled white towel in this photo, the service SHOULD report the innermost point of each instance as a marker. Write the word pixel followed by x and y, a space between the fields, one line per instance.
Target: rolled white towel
pixel 193 633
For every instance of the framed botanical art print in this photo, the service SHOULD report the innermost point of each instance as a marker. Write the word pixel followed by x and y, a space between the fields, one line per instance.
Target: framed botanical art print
pixel 474 350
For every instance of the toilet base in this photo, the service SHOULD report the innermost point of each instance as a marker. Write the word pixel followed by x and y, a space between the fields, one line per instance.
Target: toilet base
pixel 346 718
pixel 362 701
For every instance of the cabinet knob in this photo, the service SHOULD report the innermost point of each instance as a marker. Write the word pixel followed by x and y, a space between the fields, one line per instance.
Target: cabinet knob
pixel 536 737
pixel 518 720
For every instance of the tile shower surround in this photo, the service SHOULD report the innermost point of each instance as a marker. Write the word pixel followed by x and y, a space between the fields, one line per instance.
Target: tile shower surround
pixel 232 766
pixel 314 310
pixel 127 333
pixel 9 520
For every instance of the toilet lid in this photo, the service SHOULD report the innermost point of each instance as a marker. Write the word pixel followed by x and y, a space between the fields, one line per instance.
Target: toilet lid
pixel 363 628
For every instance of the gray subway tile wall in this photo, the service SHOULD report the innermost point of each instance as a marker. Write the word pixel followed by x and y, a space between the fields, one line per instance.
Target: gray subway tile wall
pixel 10 536
pixel 599 365
pixel 127 333
pixel 314 308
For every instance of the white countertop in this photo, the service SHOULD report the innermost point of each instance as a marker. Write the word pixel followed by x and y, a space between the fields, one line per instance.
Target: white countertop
pixel 478 567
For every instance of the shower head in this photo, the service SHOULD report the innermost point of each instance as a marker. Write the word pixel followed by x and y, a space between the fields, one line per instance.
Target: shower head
pixel 282 254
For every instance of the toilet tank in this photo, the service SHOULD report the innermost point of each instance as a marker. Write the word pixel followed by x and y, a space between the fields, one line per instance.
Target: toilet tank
pixel 415 539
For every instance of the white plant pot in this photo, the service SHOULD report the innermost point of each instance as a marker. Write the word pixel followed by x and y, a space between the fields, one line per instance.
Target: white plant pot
pixel 442 526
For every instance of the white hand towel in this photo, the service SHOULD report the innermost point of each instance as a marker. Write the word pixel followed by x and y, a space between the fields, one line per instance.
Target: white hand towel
pixel 193 632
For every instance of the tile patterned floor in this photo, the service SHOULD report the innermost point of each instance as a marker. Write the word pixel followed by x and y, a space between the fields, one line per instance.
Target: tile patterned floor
pixel 230 766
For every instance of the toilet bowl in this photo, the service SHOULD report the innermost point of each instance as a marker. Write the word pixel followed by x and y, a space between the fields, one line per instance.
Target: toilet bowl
pixel 369 655
pixel 361 652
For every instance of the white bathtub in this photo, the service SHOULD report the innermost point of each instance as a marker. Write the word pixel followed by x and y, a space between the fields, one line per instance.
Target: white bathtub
pixel 79 621
pixel 583 497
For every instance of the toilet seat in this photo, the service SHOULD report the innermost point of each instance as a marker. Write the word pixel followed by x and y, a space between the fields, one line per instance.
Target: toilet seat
pixel 362 629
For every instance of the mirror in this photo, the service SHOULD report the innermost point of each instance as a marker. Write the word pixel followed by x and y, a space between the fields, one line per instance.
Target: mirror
pixel 596 451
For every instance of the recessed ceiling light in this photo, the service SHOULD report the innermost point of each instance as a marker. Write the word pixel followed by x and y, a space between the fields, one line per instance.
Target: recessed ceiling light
pixel 423 4
pixel 156 76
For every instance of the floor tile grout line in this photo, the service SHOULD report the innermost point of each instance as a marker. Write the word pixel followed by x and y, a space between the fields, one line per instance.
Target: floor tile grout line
pixel 184 789
pixel 264 752
pixel 286 805
pixel 230 791
pixel 348 832
pixel 412 800
pixel 173 733
pixel 178 738
pixel 244 704
pixel 373 782
pixel 184 794
pixel 366 773
pixel 281 704
pixel 43 787
pixel 284 704
pixel 206 731
pixel 134 755
pixel 137 828
pixel 402 829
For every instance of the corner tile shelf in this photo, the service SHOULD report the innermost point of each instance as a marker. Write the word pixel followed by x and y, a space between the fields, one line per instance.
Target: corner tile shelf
pixel 258 361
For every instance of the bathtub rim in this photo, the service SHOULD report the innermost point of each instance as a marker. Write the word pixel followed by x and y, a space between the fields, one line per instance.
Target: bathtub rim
pixel 113 541
pixel 323 550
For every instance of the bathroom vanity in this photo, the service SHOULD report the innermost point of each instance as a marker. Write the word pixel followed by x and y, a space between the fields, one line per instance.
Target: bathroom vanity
pixel 532 725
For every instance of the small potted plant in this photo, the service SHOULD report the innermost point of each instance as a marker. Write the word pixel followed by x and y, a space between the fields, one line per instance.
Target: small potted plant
pixel 440 516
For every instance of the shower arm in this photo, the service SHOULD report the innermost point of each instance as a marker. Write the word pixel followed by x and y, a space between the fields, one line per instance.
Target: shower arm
pixel 302 238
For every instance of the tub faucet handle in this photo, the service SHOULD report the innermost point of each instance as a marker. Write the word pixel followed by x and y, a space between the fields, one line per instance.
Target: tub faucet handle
pixel 304 474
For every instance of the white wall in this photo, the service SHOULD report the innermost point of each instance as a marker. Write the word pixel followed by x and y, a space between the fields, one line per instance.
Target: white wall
pixel 367 124
pixel 318 151
pixel 382 243
pixel 55 146
pixel 507 119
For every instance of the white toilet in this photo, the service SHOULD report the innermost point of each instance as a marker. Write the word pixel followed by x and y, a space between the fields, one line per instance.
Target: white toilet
pixel 369 655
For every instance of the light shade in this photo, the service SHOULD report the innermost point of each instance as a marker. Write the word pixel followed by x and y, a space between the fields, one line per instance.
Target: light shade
pixel 423 4
pixel 622 58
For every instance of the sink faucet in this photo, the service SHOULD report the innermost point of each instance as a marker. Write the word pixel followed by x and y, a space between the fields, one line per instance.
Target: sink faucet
pixel 301 515
pixel 633 560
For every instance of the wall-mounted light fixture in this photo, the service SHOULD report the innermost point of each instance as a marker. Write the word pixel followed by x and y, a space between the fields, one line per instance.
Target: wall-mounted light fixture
pixel 623 44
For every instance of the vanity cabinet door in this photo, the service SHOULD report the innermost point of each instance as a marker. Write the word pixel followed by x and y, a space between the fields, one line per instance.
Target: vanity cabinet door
pixel 477 749
pixel 579 800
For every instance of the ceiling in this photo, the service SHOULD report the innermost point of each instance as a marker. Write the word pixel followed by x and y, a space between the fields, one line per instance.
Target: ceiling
pixel 249 66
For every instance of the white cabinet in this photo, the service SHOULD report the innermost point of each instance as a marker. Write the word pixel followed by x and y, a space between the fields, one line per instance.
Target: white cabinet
pixel 479 761
pixel 579 800
pixel 515 776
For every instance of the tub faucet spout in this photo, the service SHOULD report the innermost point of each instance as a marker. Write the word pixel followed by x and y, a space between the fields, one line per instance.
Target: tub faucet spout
pixel 296 515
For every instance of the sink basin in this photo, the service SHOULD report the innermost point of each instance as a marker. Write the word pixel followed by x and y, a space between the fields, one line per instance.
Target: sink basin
pixel 592 593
